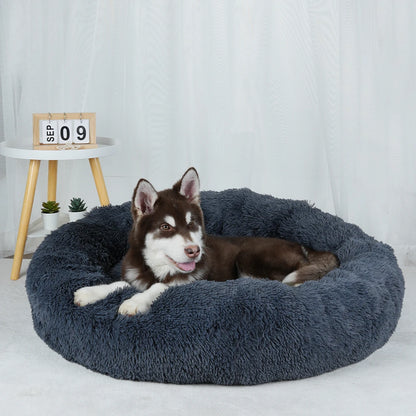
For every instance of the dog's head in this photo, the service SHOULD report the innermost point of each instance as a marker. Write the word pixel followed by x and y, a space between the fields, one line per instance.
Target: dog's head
pixel 169 226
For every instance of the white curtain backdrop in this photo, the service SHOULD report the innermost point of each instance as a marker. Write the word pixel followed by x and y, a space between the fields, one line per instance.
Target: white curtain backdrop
pixel 307 99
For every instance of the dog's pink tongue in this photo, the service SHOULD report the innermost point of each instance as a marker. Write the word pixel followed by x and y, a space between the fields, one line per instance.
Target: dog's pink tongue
pixel 187 267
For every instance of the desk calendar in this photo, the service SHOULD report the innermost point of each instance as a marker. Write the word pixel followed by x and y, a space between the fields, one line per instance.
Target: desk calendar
pixel 62 131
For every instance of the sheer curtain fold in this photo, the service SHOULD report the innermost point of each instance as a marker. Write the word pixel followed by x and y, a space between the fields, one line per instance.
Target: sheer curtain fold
pixel 303 99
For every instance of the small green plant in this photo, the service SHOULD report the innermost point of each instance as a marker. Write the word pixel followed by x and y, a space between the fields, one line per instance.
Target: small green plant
pixel 77 205
pixel 50 207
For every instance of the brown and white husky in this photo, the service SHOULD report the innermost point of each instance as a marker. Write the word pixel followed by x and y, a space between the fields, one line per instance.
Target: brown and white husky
pixel 168 246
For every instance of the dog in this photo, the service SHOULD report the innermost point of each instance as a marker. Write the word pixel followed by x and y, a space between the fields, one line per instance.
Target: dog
pixel 168 246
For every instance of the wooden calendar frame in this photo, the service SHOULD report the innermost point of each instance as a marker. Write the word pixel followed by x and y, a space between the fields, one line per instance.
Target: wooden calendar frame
pixel 37 117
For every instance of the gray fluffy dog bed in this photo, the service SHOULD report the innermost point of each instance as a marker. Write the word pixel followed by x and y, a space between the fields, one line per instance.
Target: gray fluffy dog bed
pixel 245 331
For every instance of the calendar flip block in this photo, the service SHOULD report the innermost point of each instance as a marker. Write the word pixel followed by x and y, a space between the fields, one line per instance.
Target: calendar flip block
pixel 65 128
pixel 62 131
pixel 81 131
pixel 49 131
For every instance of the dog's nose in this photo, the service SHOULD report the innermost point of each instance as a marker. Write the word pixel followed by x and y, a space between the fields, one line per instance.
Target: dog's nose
pixel 192 251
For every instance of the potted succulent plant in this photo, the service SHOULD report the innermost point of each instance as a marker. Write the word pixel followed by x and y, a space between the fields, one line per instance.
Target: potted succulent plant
pixel 77 209
pixel 50 215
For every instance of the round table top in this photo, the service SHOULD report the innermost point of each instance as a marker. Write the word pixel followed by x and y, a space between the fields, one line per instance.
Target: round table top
pixel 106 146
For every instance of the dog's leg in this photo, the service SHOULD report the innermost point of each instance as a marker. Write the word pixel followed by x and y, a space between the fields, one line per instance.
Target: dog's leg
pixel 262 262
pixel 141 302
pixel 320 263
pixel 304 274
pixel 92 294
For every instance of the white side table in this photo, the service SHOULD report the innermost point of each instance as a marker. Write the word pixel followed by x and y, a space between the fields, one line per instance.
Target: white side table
pixel 106 147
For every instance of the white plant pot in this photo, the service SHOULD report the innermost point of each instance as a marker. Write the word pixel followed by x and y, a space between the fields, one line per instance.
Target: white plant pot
pixel 50 221
pixel 75 216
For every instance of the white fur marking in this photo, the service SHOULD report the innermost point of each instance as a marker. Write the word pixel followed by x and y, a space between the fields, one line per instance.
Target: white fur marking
pixel 131 274
pixel 92 294
pixel 170 220
pixel 188 217
pixel 246 276
pixel 142 302
pixel 139 285
pixel 189 279
pixel 196 237
pixel 157 252
pixel 290 278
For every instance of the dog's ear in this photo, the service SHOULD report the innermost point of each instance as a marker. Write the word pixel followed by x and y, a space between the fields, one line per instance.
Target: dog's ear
pixel 188 186
pixel 144 198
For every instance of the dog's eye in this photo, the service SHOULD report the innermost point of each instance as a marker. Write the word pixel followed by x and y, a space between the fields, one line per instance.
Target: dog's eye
pixel 166 227
pixel 193 225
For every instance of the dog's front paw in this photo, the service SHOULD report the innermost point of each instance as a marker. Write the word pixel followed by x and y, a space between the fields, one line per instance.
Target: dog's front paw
pixel 133 306
pixel 85 296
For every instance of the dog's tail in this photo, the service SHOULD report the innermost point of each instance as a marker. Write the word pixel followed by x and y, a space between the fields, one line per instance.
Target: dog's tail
pixel 316 266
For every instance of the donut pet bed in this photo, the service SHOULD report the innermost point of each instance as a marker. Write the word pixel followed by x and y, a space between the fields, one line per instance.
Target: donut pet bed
pixel 244 331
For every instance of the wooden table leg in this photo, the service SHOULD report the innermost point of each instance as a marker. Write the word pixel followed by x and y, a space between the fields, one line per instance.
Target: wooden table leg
pixel 32 178
pixel 52 179
pixel 99 181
